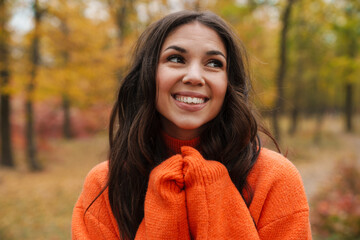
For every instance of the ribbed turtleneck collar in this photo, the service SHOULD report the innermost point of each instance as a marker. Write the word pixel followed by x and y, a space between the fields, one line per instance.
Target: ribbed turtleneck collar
pixel 174 145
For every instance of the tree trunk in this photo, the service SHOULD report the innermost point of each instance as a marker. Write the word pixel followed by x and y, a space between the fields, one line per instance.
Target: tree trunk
pixel 6 143
pixel 35 60
pixel 296 96
pixel 67 132
pixel 349 86
pixel 318 125
pixel 349 106
pixel 67 119
pixel 319 106
pixel 294 117
pixel 6 158
pixel 282 69
pixel 31 149
pixel 121 10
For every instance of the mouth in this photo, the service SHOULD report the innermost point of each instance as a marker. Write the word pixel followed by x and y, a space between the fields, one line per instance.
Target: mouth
pixel 190 100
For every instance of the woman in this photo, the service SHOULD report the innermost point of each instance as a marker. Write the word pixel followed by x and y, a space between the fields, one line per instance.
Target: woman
pixel 185 158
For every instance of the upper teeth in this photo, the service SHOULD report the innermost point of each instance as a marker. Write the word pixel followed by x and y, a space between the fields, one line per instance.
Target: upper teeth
pixel 193 100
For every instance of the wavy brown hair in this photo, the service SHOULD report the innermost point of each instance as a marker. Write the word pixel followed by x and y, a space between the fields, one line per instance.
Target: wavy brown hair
pixel 135 145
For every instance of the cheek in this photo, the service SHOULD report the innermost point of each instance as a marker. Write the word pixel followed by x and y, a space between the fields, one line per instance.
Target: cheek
pixel 160 81
pixel 163 80
pixel 220 88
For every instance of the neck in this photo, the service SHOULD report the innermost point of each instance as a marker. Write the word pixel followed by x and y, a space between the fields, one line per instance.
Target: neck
pixel 174 145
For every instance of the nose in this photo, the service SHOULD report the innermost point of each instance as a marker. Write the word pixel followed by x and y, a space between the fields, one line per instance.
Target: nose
pixel 194 75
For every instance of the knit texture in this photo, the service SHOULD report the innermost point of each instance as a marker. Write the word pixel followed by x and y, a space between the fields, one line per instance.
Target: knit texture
pixel 189 197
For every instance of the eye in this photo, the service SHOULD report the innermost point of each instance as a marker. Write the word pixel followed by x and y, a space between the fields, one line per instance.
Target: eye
pixel 176 59
pixel 215 64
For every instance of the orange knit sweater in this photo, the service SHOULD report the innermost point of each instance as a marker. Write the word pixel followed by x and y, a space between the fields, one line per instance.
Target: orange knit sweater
pixel 189 197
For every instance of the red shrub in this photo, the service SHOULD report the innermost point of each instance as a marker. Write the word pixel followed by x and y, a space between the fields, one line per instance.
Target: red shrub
pixel 49 119
pixel 336 211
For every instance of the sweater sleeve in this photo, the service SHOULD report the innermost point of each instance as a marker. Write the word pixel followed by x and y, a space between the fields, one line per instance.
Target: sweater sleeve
pixel 216 209
pixel 285 210
pixel 97 222
pixel 165 210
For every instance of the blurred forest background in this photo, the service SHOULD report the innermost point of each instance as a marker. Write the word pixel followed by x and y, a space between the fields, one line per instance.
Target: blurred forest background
pixel 61 62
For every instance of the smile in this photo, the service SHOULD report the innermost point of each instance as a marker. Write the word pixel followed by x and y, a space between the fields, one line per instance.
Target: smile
pixel 190 100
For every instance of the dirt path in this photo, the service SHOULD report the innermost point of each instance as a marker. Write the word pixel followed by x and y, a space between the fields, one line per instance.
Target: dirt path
pixel 317 173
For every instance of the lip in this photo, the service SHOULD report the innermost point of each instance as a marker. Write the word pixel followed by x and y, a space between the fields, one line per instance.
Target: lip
pixel 190 107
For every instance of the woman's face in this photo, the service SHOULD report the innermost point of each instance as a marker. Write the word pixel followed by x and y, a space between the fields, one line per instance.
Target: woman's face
pixel 191 79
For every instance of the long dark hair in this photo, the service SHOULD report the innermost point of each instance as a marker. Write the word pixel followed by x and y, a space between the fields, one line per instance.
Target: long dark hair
pixel 135 145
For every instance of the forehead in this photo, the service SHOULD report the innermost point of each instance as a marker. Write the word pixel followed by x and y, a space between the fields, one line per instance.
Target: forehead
pixel 194 33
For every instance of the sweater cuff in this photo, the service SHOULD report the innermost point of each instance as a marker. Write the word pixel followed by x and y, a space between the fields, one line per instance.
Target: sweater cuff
pixel 198 171
pixel 167 179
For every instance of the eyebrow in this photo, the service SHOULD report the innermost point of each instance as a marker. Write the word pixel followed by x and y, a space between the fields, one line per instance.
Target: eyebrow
pixel 179 49
pixel 215 52
pixel 182 50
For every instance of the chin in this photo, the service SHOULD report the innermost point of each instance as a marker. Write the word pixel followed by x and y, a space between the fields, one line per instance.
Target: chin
pixel 190 126
pixel 183 127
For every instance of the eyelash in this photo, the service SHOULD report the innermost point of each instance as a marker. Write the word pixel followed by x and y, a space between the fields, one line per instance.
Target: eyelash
pixel 180 59
pixel 172 57
pixel 216 62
